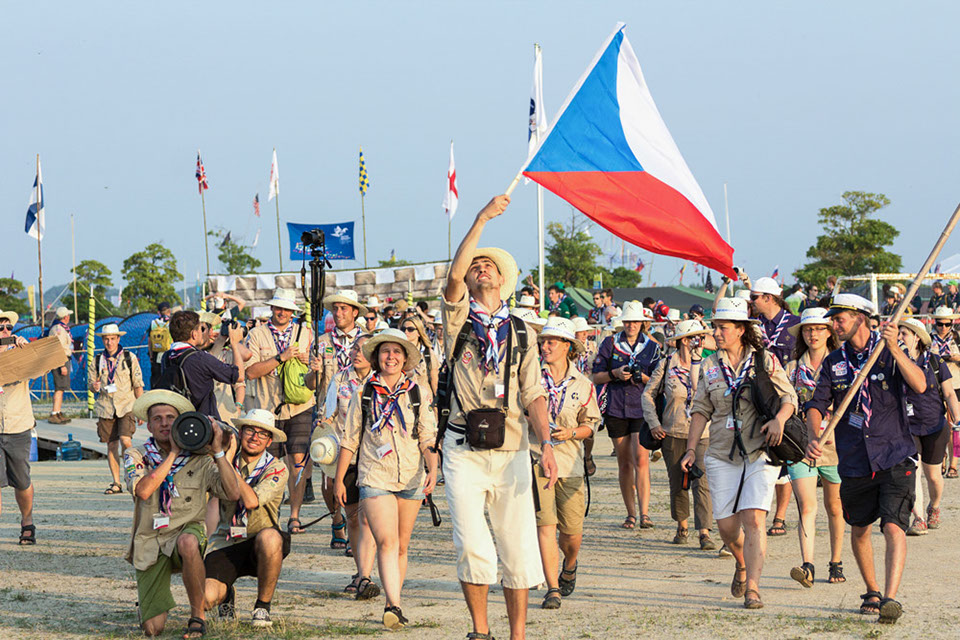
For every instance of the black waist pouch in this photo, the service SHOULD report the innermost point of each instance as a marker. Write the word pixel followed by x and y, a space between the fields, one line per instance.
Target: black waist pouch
pixel 486 428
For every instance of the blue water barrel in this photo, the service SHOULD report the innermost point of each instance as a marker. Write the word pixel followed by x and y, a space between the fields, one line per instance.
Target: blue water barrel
pixel 71 450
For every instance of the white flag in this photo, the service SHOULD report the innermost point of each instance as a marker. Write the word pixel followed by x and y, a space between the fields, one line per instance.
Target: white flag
pixel 452 197
pixel 35 224
pixel 274 178
pixel 538 119
pixel 256 239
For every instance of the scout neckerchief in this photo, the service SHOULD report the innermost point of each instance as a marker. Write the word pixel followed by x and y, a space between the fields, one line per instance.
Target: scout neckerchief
pixel 595 316
pixel 683 375
pixel 861 358
pixel 168 490
pixel 491 331
pixel 582 361
pixel 621 346
pixel 556 392
pixel 343 342
pixel 734 384
pixel 281 338
pixel 942 345
pixel 554 306
pixel 110 364
pixel 240 514
pixel 386 403
pixel 771 339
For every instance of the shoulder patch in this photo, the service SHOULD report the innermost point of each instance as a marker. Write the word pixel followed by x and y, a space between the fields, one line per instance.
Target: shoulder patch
pixel 839 369
pixel 467 357
pixel 713 374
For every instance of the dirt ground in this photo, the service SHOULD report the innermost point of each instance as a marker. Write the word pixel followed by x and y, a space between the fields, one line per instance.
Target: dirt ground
pixel 75 583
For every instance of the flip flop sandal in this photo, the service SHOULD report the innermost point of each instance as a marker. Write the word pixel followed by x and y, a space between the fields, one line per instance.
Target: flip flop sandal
pixel 551 600
pixel 951 473
pixel 738 587
pixel 567 585
pixel 867 607
pixel 750 602
pixel 393 618
pixel 629 523
pixel 836 573
pixel 779 528
pixel 890 611
pixel 803 574
pixel 195 626
pixel 589 465
pixel 367 589
pixel 338 541
pixel 294 529
pixel 113 489
pixel 28 535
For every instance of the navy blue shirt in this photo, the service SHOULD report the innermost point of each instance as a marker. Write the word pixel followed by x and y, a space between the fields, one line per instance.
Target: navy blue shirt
pixel 885 441
pixel 201 369
pixel 925 411
pixel 781 343
pixel 624 398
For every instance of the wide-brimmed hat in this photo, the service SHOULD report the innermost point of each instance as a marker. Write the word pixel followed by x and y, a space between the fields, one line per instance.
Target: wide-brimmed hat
pixel 899 288
pixel 325 448
pixel 398 337
pixel 160 396
pixel 12 316
pixel 284 299
pixel 210 319
pixel 673 315
pixel 813 315
pixel 63 312
pixel 688 329
pixel 917 327
pixel 506 265
pixel 633 311
pixel 579 324
pixel 263 419
pixel 527 300
pixel 743 294
pixel 111 329
pixel 436 317
pixel 557 327
pixel 373 302
pixel 944 313
pixel 766 285
pixel 344 296
pixel 849 302
pixel 528 315
pixel 733 310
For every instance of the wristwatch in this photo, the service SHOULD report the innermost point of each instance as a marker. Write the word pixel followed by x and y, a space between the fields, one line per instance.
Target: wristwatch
pixel 278 358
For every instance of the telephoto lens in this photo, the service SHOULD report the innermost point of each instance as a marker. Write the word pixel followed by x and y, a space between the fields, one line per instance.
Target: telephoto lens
pixel 192 431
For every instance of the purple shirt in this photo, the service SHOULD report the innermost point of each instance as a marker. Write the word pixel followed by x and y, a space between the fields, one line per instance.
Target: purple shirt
pixel 781 342
pixel 624 398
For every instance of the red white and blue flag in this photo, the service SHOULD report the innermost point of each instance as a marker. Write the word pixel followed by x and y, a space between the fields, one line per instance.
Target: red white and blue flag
pixel 776 272
pixel 610 155
pixel 639 266
pixel 201 176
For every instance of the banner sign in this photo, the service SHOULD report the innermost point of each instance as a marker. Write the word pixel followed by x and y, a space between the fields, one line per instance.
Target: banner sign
pixel 339 240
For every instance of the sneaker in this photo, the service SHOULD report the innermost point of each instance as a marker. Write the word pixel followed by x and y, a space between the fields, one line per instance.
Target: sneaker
pixel 918 528
pixel 226 609
pixel 724 552
pixel 681 537
pixel 261 618
pixel 707 543
pixel 393 618
pixel 933 518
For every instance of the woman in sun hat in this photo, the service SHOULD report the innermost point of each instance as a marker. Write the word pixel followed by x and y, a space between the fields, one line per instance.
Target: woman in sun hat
pixel 815 339
pixel 682 371
pixel 630 350
pixel 573 413
pixel 741 480
pixel 392 430
pixel 928 424
pixel 944 344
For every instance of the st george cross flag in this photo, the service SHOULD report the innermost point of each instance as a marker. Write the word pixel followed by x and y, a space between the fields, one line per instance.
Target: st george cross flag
pixel 452 196
pixel 274 178
pixel 35 219
pixel 609 154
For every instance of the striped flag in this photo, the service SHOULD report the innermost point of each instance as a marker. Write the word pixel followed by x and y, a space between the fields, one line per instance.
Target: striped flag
pixel 364 181
pixel 682 269
pixel 776 272
pixel 639 266
pixel 274 178
pixel 35 224
pixel 256 205
pixel 452 197
pixel 201 175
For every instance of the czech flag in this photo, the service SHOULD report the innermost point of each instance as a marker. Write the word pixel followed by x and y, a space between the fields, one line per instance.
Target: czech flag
pixel 610 155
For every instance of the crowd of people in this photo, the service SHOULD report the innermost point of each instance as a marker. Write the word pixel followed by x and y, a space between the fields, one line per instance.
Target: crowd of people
pixel 500 405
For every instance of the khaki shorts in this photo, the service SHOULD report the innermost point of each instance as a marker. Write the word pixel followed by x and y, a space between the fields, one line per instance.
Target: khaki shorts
pixel 153 584
pixel 111 429
pixel 563 504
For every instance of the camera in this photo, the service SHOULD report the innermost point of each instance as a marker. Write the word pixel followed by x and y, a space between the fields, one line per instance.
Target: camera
pixel 635 368
pixel 312 238
pixel 192 431
pixel 8 340
pixel 229 322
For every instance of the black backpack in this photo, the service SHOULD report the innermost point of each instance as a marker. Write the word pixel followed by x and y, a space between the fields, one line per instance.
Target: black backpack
pixel 172 375
pixel 766 400
pixel 366 408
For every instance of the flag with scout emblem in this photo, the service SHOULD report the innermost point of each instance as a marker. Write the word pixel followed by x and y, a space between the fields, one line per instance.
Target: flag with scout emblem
pixel 364 181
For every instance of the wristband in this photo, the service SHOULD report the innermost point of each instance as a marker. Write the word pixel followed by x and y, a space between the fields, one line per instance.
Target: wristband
pixel 218 455
pixel 544 443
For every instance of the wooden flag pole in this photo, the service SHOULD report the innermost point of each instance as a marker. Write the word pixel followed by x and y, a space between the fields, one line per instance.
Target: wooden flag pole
pixel 279 238
pixel 912 291
pixel 513 185
pixel 206 246
pixel 39 252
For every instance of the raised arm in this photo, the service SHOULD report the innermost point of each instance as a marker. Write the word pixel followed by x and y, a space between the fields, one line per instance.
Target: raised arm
pixel 456 287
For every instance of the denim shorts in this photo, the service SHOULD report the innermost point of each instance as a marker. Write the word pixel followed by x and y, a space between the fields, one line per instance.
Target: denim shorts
pixel 406 494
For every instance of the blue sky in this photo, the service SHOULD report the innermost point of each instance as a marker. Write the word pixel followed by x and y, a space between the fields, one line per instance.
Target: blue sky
pixel 790 104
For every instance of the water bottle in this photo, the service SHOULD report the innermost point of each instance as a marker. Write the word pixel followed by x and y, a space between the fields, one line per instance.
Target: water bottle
pixel 59 454
pixel 71 450
pixel 34 453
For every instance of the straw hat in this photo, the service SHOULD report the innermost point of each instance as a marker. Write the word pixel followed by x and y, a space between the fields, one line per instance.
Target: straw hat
pixel 284 299
pixel 260 312
pixel 373 302
pixel 527 301
pixel 160 396
pixel 849 302
pixel 944 313
pixel 617 323
pixel 902 290
pixel 633 311
pixel 210 319
pixel 395 336
pixel 673 315
pixel 506 265
pixel 345 296
pixel 813 315
pixel 436 317
pixel 557 327
pixel 325 448
pixel 112 329
pixel 528 315
pixel 734 310
pixel 380 326
pixel 917 327
pixel 12 316
pixel 580 324
pixel 263 419
pixel 688 329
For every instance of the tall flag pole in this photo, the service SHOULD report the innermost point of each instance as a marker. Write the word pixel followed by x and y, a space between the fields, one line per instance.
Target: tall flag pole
pixel 275 193
pixel 451 198
pixel 73 252
pixel 203 185
pixel 537 129
pixel 35 226
pixel 364 185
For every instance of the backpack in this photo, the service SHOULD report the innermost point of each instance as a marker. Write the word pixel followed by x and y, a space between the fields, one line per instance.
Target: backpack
pixel 160 339
pixel 366 408
pixel 766 400
pixel 291 375
pixel 128 358
pixel 172 375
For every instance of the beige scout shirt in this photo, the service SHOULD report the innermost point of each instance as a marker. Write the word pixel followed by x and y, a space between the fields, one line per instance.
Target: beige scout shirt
pixel 476 390
pixel 676 422
pixel 266 392
pixel 223 392
pixel 269 490
pixel 579 409
pixel 197 477
pixel 347 382
pixel 16 410
pixel 390 459
pixel 804 395
pixel 126 378
pixel 424 376
pixel 331 343
pixel 712 402
pixel 944 352
pixel 66 339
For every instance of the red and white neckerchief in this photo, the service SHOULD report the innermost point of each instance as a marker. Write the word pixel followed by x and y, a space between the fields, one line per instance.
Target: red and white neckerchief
pixel 168 490
pixel 386 403
pixel 733 384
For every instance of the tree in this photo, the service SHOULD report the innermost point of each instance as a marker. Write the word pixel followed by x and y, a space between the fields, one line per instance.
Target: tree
pixel 94 276
pixel 570 257
pixel 9 288
pixel 234 257
pixel 150 275
pixel 620 278
pixel 852 242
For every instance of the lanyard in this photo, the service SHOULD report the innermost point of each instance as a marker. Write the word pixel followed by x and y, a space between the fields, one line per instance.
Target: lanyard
pixel 111 363
pixel 863 399
pixel 772 339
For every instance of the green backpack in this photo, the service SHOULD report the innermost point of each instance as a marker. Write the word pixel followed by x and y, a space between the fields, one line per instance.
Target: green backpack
pixel 291 374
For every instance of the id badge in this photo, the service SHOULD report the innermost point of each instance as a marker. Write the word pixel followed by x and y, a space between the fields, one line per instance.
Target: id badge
pixel 731 424
pixel 498 390
pixel 909 410
pixel 110 388
pixel 160 521
pixel 384 450
pixel 856 420
pixel 238 532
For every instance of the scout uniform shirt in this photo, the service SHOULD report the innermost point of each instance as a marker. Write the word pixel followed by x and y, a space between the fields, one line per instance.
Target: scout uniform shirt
pixel 197 476
pixel 714 401
pixel 390 448
pixel 347 383
pixel 427 370
pixel 945 348
pixel 624 396
pixel 925 411
pixel 477 388
pixel 16 410
pixel 266 392
pixel 571 403
pixel 584 361
pixel 873 434
pixel 62 331
pixel 776 339
pixel 335 347
pixel 119 375
pixel 678 393
pixel 267 476
pixel 804 380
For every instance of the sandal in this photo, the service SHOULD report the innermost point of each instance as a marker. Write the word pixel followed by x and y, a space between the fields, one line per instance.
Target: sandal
pixel 338 541
pixel 779 528
pixel 348 551
pixel 645 522
pixel 196 628
pixel 567 585
pixel 367 589
pixel 294 528
pixel 551 600
pixel 752 603
pixel 393 618
pixel 739 587
pixel 804 574
pixel 28 535
pixel 589 466
pixel 354 582
pixel 113 489
pixel 473 635
pixel 868 607
pixel 951 473
pixel 890 611
pixel 629 523
pixel 836 573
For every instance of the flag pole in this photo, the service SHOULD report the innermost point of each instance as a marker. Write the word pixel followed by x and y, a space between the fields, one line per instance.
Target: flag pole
pixel 73 251
pixel 39 251
pixel 449 251
pixel 363 216
pixel 726 209
pixel 279 239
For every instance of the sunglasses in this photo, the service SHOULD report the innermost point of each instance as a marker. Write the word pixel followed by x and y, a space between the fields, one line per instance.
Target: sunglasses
pixel 6 327
pixel 755 297
pixel 409 329
pixel 369 318
pixel 939 324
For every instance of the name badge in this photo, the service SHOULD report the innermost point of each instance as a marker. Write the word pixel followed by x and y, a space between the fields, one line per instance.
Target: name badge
pixel 909 410
pixel 160 521
pixel 498 390
pixel 238 532
pixel 856 420
pixel 110 388
pixel 384 450
pixel 731 423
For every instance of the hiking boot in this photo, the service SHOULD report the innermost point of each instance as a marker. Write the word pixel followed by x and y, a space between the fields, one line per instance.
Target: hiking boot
pixel 681 537
pixel 261 618
pixel 918 528
pixel 54 418
pixel 226 610
pixel 933 518
pixel 707 543
pixel 64 419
